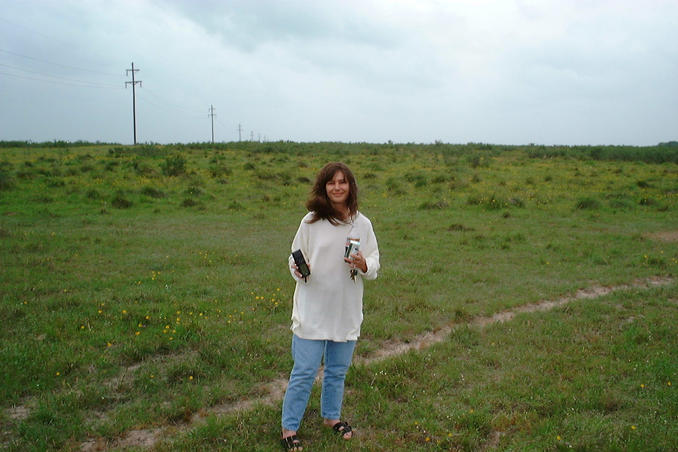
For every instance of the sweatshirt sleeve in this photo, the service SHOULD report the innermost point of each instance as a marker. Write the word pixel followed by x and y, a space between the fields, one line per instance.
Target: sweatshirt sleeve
pixel 371 252
pixel 300 242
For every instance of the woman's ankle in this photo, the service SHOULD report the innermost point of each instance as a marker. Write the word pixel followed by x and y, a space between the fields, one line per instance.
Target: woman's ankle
pixel 286 433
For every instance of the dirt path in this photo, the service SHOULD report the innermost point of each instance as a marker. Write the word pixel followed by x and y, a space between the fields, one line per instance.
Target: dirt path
pixel 275 390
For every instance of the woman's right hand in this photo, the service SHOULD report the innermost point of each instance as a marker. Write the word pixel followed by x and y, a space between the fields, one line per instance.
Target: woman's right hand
pixel 296 270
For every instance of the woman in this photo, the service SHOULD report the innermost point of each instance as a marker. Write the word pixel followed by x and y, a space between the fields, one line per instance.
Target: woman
pixel 327 310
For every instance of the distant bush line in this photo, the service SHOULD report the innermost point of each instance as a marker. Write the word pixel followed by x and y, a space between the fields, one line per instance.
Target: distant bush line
pixel 50 144
pixel 661 153
pixel 664 152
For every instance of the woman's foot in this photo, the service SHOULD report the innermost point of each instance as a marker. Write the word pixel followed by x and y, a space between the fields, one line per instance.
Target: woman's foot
pixel 290 441
pixel 342 428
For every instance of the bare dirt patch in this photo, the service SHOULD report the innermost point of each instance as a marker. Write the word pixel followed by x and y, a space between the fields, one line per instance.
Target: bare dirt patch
pixel 274 391
pixel 145 438
pixel 493 442
pixel 18 413
pixel 664 236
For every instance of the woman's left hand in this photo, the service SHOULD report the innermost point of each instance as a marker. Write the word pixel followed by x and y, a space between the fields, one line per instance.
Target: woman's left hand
pixel 357 261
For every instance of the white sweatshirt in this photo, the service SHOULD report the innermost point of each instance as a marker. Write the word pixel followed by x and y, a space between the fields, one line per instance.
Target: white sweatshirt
pixel 329 305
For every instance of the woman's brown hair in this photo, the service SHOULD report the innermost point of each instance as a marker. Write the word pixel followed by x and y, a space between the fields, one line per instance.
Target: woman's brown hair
pixel 319 203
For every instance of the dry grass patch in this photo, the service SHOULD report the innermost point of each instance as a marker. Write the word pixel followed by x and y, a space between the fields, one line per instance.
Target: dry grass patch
pixel 664 236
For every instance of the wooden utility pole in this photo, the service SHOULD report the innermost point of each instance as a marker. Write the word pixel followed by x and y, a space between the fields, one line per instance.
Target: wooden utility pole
pixel 134 98
pixel 212 115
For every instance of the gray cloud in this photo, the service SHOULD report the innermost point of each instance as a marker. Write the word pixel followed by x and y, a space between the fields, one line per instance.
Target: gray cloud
pixel 503 72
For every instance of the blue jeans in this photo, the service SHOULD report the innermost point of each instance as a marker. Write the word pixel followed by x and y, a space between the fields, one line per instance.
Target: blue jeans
pixel 307 355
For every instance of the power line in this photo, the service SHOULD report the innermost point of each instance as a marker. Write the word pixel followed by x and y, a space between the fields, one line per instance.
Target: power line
pixel 161 100
pixel 80 85
pixel 223 124
pixel 162 106
pixel 54 78
pixel 36 32
pixel 134 101
pixel 53 63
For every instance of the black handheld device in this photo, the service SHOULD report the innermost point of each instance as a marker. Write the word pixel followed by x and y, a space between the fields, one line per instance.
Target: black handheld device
pixel 301 263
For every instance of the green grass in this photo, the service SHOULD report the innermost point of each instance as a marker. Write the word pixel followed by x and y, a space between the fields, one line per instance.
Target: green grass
pixel 590 376
pixel 142 285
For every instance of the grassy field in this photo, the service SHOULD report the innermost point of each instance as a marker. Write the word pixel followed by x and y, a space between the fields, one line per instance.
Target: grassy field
pixel 142 286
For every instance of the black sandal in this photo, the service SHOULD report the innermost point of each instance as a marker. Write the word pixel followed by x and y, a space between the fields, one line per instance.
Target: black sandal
pixel 342 428
pixel 291 443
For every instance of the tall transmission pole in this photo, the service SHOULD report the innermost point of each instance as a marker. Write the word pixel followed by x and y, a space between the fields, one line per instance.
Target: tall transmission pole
pixel 134 98
pixel 239 132
pixel 212 115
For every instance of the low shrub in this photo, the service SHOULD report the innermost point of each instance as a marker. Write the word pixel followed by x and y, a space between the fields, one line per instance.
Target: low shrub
pixel 152 192
pixel 219 171
pixel 493 202
pixel 588 204
pixel 516 202
pixel 394 187
pixel 93 194
pixel 25 175
pixel 54 183
pixel 283 177
pixel 120 202
pixel 418 179
pixel 430 205
pixel 441 178
pixel 193 190
pixel 144 169
pixel 6 180
pixel 44 199
pixel 459 227
pixel 476 161
pixel 174 165
pixel 619 204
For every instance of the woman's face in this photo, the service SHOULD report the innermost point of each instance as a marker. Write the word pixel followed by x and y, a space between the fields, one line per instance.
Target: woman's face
pixel 337 189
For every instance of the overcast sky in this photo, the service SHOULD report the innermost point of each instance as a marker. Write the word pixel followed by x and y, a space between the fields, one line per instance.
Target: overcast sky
pixel 496 71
